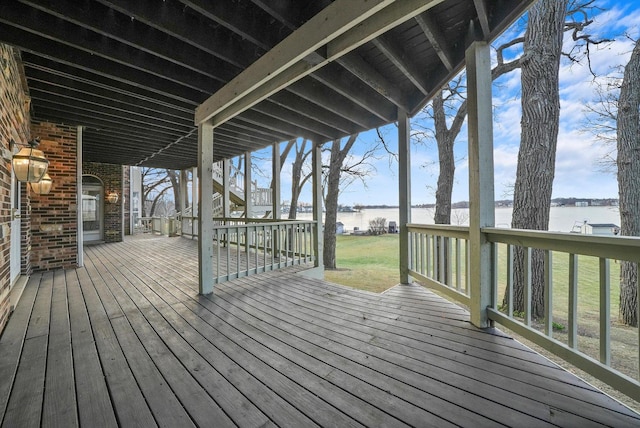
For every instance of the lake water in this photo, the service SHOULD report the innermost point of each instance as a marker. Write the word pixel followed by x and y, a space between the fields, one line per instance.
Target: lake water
pixel 561 219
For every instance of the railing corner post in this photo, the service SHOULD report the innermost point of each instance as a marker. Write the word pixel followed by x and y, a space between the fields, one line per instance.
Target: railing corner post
pixel 481 192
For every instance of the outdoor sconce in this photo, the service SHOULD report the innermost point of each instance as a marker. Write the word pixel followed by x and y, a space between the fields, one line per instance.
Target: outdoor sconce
pixel 43 186
pixel 29 164
pixel 112 197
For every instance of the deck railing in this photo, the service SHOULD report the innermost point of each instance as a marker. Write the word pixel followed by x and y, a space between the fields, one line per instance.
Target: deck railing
pixel 249 246
pixel 439 258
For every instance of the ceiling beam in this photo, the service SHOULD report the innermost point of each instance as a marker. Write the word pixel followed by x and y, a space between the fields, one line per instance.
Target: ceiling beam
pixel 398 57
pixel 55 51
pixel 369 75
pixel 69 103
pixel 71 36
pixel 49 90
pixel 170 18
pixel 121 28
pixel 436 38
pixel 250 28
pixel 110 84
pixel 265 76
pixel 355 91
pixel 483 17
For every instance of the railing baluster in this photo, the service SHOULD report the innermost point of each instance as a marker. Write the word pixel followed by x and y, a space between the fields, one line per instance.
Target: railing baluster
pixel 467 268
pixel 527 286
pixel 427 258
pixel 448 260
pixel 494 276
pixel 441 259
pixel 510 254
pixel 458 265
pixel 548 293
pixel 573 301
pixel 605 312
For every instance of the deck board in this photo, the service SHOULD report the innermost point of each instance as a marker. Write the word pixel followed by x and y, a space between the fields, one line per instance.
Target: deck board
pixel 59 408
pixel 126 341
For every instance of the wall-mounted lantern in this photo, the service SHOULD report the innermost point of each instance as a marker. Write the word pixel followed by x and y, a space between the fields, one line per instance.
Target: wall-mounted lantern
pixel 43 186
pixel 29 164
pixel 112 197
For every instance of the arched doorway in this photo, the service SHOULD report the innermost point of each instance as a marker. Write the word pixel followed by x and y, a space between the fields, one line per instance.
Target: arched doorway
pixel 92 209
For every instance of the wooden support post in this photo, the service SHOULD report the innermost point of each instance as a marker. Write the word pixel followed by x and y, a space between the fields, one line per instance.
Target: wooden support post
pixel 404 193
pixel 205 219
pixel 248 203
pixel 275 191
pixel 481 193
pixel 79 238
pixel 226 188
pixel 316 160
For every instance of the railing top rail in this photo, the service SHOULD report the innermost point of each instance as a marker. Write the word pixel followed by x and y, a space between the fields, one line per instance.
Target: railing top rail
pixel 612 247
pixel 440 229
pixel 263 224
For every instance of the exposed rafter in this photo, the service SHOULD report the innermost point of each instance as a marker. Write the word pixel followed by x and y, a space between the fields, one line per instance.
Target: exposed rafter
pixel 133 72
pixel 483 17
pixel 436 39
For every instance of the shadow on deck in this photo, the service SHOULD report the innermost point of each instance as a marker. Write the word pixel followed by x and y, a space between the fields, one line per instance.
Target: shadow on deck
pixel 127 341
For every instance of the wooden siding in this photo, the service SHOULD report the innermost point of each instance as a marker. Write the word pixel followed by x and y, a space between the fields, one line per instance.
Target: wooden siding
pixel 126 340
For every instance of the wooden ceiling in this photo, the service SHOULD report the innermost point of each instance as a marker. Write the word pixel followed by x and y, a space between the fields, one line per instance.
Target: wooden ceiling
pixel 133 72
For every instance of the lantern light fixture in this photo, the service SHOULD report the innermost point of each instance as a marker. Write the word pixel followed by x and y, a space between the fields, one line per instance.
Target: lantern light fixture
pixel 29 164
pixel 42 187
pixel 112 197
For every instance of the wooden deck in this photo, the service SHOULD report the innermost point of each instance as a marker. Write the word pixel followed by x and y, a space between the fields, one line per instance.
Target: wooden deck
pixel 127 341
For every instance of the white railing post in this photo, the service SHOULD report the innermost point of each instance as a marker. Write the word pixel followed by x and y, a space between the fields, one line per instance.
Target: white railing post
pixel 275 191
pixel 248 203
pixel 205 219
pixel 481 193
pixel 226 199
pixel 316 160
pixel 404 193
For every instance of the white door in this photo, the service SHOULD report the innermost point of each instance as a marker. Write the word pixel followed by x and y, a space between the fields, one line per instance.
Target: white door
pixel 92 197
pixel 15 229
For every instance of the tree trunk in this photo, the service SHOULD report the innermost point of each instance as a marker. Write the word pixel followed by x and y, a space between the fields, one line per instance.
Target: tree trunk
pixel 539 134
pixel 628 160
pixel 296 178
pixel 331 200
pixel 445 140
pixel 175 184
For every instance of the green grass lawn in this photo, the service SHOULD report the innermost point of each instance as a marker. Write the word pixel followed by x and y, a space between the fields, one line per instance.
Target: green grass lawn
pixel 366 262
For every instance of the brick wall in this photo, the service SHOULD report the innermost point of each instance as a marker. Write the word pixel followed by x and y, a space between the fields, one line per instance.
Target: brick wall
pixel 112 178
pixel 54 228
pixel 14 118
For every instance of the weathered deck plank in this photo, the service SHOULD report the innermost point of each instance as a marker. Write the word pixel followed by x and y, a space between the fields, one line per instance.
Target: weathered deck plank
pixel 127 340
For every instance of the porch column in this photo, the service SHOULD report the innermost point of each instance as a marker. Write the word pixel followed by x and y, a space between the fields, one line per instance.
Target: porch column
pixel 205 219
pixel 248 205
pixel 226 186
pixel 404 193
pixel 275 192
pixel 79 237
pixel 316 160
pixel 481 193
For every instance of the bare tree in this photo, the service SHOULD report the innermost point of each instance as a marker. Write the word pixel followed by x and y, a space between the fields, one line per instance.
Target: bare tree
pixel 540 65
pixel 297 180
pixel 628 162
pixel 342 170
pixel 338 155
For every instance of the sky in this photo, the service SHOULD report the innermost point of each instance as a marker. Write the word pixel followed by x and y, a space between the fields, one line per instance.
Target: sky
pixel 578 170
